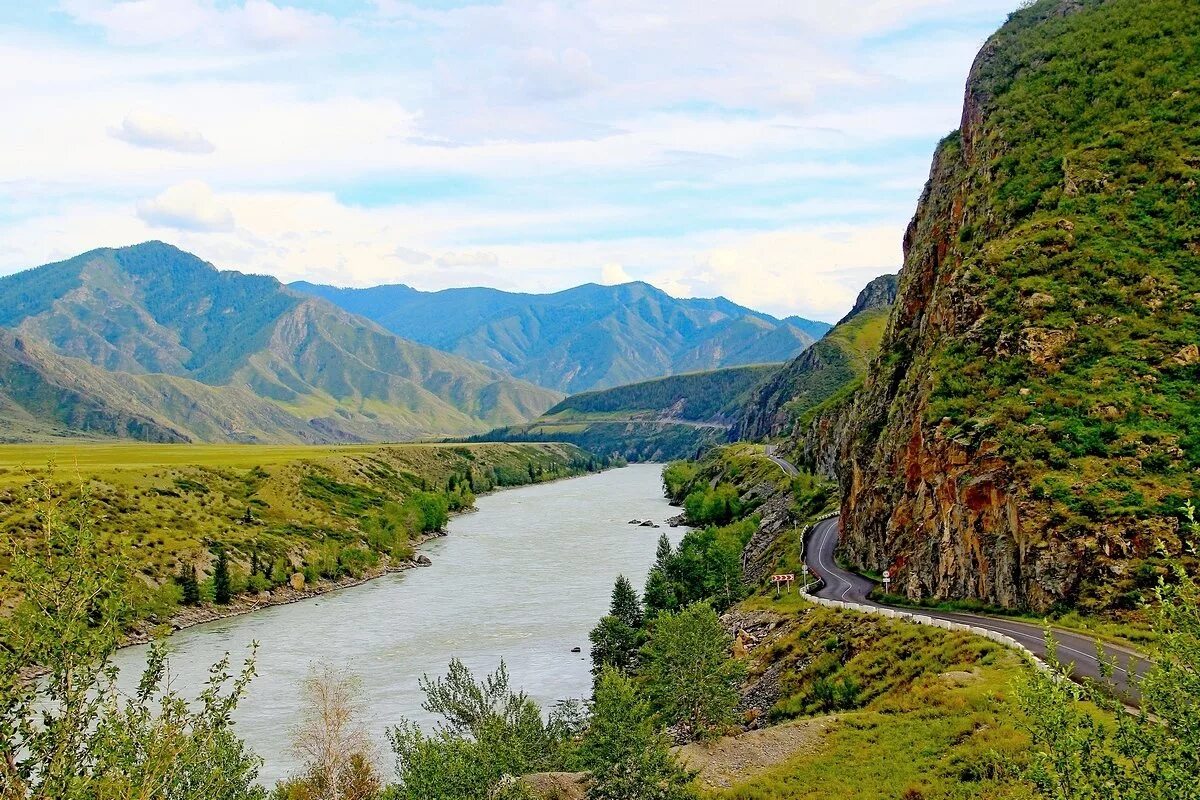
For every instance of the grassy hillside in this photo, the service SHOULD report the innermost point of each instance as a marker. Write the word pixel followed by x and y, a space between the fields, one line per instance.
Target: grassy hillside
pixel 659 420
pixel 697 396
pixel 588 337
pixel 863 708
pixel 153 343
pixel 325 512
pixel 1036 406
pixel 827 372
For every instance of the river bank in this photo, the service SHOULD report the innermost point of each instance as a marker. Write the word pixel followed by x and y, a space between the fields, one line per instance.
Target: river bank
pixel 522 579
pixel 191 616
pixel 146 631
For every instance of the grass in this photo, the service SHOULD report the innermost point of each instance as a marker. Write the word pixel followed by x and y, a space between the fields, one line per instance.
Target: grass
pixel 17 461
pixel 939 742
pixel 920 713
pixel 283 509
pixel 1129 630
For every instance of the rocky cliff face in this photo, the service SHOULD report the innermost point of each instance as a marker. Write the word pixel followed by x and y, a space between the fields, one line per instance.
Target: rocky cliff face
pixel 879 293
pixel 1031 421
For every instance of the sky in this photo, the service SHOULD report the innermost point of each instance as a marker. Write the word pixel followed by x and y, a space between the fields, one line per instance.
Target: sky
pixel 770 151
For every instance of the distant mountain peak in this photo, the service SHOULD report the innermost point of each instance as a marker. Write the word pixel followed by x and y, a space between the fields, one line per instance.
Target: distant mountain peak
pixel 590 336
pixel 152 339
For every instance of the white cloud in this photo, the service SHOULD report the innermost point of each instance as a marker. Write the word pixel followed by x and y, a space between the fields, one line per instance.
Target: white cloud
pixel 613 273
pixel 147 129
pixel 410 256
pixel 189 206
pixel 815 271
pixel 470 258
pixel 708 148
pixel 257 23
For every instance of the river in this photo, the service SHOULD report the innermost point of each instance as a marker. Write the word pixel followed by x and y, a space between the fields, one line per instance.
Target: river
pixel 523 579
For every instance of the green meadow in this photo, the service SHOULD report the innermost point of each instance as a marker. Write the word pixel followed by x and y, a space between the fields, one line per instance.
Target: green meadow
pixel 324 512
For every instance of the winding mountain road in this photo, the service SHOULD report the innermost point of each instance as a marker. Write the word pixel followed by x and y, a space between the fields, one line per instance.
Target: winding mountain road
pixel 1076 649
pixel 783 464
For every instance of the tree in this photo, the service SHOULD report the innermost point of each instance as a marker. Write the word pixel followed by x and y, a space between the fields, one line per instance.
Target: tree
pixel 661 595
pixel 72 735
pixel 614 644
pixel 625 754
pixel 189 585
pixel 1136 756
pixel 663 554
pixel 691 675
pixel 626 606
pixel 487 732
pixel 222 583
pixel 332 742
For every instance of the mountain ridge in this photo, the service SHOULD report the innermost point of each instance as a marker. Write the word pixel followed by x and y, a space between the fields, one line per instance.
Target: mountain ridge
pixel 586 337
pixel 236 341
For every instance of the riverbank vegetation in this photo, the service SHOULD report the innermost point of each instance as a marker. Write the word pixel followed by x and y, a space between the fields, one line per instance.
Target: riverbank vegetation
pixel 917 713
pixel 205 524
pixel 896 710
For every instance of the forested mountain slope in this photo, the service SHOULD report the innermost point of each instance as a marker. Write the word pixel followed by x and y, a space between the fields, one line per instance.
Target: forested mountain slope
pixel 658 420
pixel 1032 424
pixel 588 337
pixel 151 342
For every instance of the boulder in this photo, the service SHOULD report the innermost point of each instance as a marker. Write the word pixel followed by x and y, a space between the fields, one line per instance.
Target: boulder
pixel 297 581
pixel 422 560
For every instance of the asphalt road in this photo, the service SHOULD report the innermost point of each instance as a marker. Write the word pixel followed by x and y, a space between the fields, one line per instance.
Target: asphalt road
pixel 784 465
pixel 1075 649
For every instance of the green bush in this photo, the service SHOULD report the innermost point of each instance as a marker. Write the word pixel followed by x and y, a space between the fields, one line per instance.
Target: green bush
pixel 713 506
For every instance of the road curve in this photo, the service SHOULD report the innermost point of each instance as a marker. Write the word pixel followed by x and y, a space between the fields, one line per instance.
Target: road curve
pixel 1075 649
pixel 784 464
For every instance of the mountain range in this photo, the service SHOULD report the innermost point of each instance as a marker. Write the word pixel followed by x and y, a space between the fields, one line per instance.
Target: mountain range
pixel 153 343
pixel 588 337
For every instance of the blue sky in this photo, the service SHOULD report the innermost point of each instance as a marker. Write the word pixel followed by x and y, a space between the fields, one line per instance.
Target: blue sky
pixel 770 151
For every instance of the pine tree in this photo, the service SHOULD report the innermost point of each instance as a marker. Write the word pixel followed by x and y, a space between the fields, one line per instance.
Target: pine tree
pixel 222 585
pixel 664 555
pixel 661 594
pixel 189 584
pixel 614 644
pixel 626 605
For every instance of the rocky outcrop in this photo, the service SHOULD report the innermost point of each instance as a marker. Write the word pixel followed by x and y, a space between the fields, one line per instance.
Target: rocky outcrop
pixel 943 462
pixel 879 293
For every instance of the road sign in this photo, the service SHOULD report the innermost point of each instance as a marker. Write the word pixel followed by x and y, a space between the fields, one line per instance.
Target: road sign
pixel 785 578
pixel 887 579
